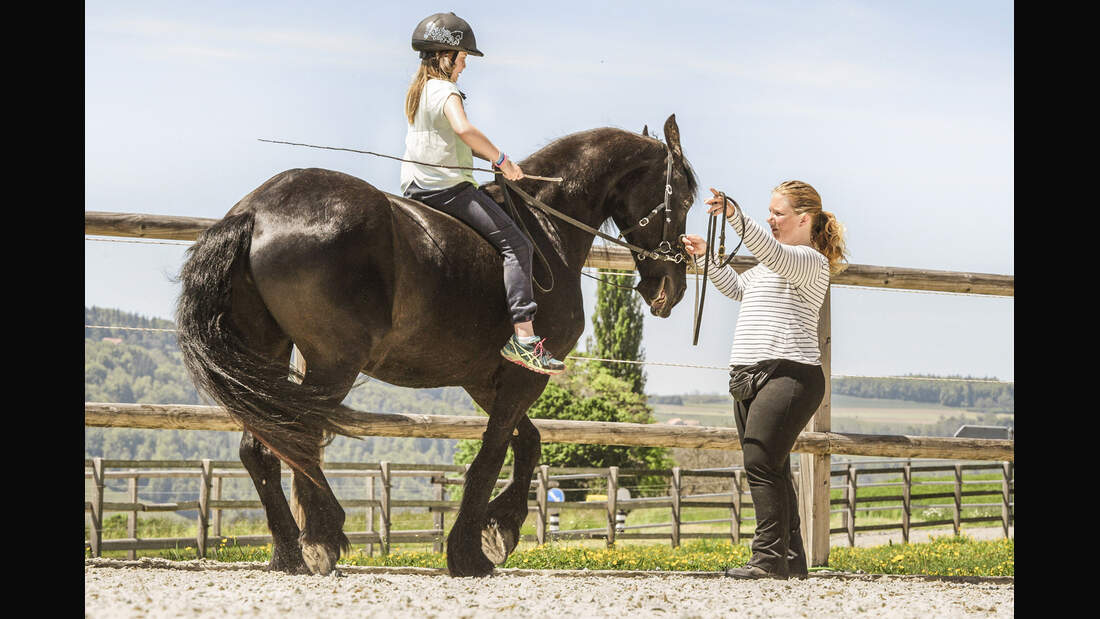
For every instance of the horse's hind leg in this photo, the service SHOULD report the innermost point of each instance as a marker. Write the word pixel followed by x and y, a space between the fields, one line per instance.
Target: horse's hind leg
pixel 261 333
pixel 265 469
pixel 508 511
pixel 319 513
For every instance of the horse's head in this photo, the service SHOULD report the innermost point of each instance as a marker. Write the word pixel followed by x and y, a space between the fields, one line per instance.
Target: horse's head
pixel 663 280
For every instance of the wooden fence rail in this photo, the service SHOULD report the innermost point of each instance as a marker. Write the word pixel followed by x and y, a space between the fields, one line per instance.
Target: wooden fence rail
pixel 210 504
pixel 144 225
pixel 196 417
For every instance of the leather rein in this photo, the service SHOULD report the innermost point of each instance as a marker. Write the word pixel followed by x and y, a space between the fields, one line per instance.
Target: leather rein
pixel 663 251
pixel 720 258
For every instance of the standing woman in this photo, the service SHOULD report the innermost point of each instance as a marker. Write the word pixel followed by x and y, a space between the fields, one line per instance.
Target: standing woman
pixel 776 378
pixel 439 133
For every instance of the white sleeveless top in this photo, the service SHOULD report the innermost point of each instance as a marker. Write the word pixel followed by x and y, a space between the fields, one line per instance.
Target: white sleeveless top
pixel 431 139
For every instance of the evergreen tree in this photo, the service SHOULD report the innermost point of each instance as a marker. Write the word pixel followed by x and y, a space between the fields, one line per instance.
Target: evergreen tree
pixel 617 326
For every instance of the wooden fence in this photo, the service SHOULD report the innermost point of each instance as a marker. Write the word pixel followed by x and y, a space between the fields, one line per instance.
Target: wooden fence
pixel 815 445
pixel 377 490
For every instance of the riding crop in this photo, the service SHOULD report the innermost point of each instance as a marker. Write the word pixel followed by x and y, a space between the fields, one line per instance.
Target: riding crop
pixel 552 179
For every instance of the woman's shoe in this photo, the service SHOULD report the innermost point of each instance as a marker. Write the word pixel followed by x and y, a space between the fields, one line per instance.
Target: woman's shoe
pixel 751 572
pixel 531 356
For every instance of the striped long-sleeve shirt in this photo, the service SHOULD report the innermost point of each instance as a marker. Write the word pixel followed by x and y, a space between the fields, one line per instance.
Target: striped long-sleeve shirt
pixel 780 297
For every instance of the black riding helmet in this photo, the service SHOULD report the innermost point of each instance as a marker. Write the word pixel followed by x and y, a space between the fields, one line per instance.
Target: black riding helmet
pixel 444 31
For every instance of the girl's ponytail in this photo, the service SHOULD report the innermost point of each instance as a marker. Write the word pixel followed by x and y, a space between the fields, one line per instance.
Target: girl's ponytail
pixel 438 65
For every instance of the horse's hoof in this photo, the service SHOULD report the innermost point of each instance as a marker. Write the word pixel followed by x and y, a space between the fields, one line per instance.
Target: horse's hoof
pixel 465 556
pixel 470 567
pixel 319 558
pixel 497 542
pixel 289 562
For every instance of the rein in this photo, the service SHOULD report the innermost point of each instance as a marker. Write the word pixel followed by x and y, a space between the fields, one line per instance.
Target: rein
pixel 720 258
pixel 664 250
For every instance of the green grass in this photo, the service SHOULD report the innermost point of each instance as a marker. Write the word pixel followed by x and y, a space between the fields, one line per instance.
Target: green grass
pixel 943 556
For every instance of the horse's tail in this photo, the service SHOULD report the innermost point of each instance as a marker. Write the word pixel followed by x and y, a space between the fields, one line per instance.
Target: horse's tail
pixel 255 389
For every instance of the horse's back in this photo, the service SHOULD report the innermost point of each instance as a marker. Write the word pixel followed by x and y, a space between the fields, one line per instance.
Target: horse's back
pixel 346 267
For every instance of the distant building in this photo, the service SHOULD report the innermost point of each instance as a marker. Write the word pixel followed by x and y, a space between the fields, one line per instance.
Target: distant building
pixel 969 431
pixel 112 340
pixel 675 421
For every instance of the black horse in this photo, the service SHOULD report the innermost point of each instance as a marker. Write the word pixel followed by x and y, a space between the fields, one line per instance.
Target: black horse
pixel 367 282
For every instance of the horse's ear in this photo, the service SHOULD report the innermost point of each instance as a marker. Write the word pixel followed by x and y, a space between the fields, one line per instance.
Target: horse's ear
pixel 672 137
pixel 645 131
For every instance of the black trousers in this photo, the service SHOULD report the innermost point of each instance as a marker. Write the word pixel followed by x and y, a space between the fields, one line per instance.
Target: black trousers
pixel 768 425
pixel 474 207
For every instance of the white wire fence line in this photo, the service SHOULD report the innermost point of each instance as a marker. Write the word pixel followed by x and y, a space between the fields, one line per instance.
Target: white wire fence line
pixel 661 363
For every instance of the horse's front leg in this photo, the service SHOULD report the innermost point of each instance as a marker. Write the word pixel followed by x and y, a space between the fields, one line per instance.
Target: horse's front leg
pixel 508 511
pixel 464 552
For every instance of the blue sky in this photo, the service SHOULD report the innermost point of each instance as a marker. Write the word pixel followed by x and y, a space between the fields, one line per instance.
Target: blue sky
pixel 900 114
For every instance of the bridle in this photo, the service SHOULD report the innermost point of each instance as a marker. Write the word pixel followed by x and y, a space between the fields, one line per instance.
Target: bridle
pixel 665 249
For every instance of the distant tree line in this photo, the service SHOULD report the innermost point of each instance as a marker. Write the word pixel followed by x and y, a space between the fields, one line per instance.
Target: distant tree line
pixel 984 396
pixel 989 397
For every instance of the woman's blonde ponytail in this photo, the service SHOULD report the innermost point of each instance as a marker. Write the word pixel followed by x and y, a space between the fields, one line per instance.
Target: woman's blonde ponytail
pixel 826 232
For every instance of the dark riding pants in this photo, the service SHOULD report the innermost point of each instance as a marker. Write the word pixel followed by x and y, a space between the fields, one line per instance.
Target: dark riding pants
pixel 474 207
pixel 768 425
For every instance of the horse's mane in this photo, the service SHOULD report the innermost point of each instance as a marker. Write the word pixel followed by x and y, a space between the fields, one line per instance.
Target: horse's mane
pixel 571 157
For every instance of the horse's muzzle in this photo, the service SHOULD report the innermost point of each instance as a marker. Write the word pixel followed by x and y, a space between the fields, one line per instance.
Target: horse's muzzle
pixel 661 300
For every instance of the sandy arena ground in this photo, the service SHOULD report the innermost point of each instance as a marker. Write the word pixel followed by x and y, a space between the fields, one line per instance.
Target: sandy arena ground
pixel 160 588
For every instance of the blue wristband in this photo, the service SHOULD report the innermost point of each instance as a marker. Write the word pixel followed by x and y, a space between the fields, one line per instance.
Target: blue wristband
pixel 501 160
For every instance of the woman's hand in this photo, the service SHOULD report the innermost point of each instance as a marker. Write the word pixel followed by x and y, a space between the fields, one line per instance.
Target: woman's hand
pixel 511 170
pixel 714 204
pixel 694 244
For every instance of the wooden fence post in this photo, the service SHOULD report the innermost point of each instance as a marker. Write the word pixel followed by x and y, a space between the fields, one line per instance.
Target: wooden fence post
pixel 370 513
pixel 131 518
pixel 385 512
pixel 735 508
pixel 298 363
pixel 853 484
pixel 204 507
pixel 612 500
pixel 541 516
pixel 437 544
pixel 844 495
pixel 814 469
pixel 958 496
pixel 906 500
pixel 217 496
pixel 1006 470
pixel 97 506
pixel 675 507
